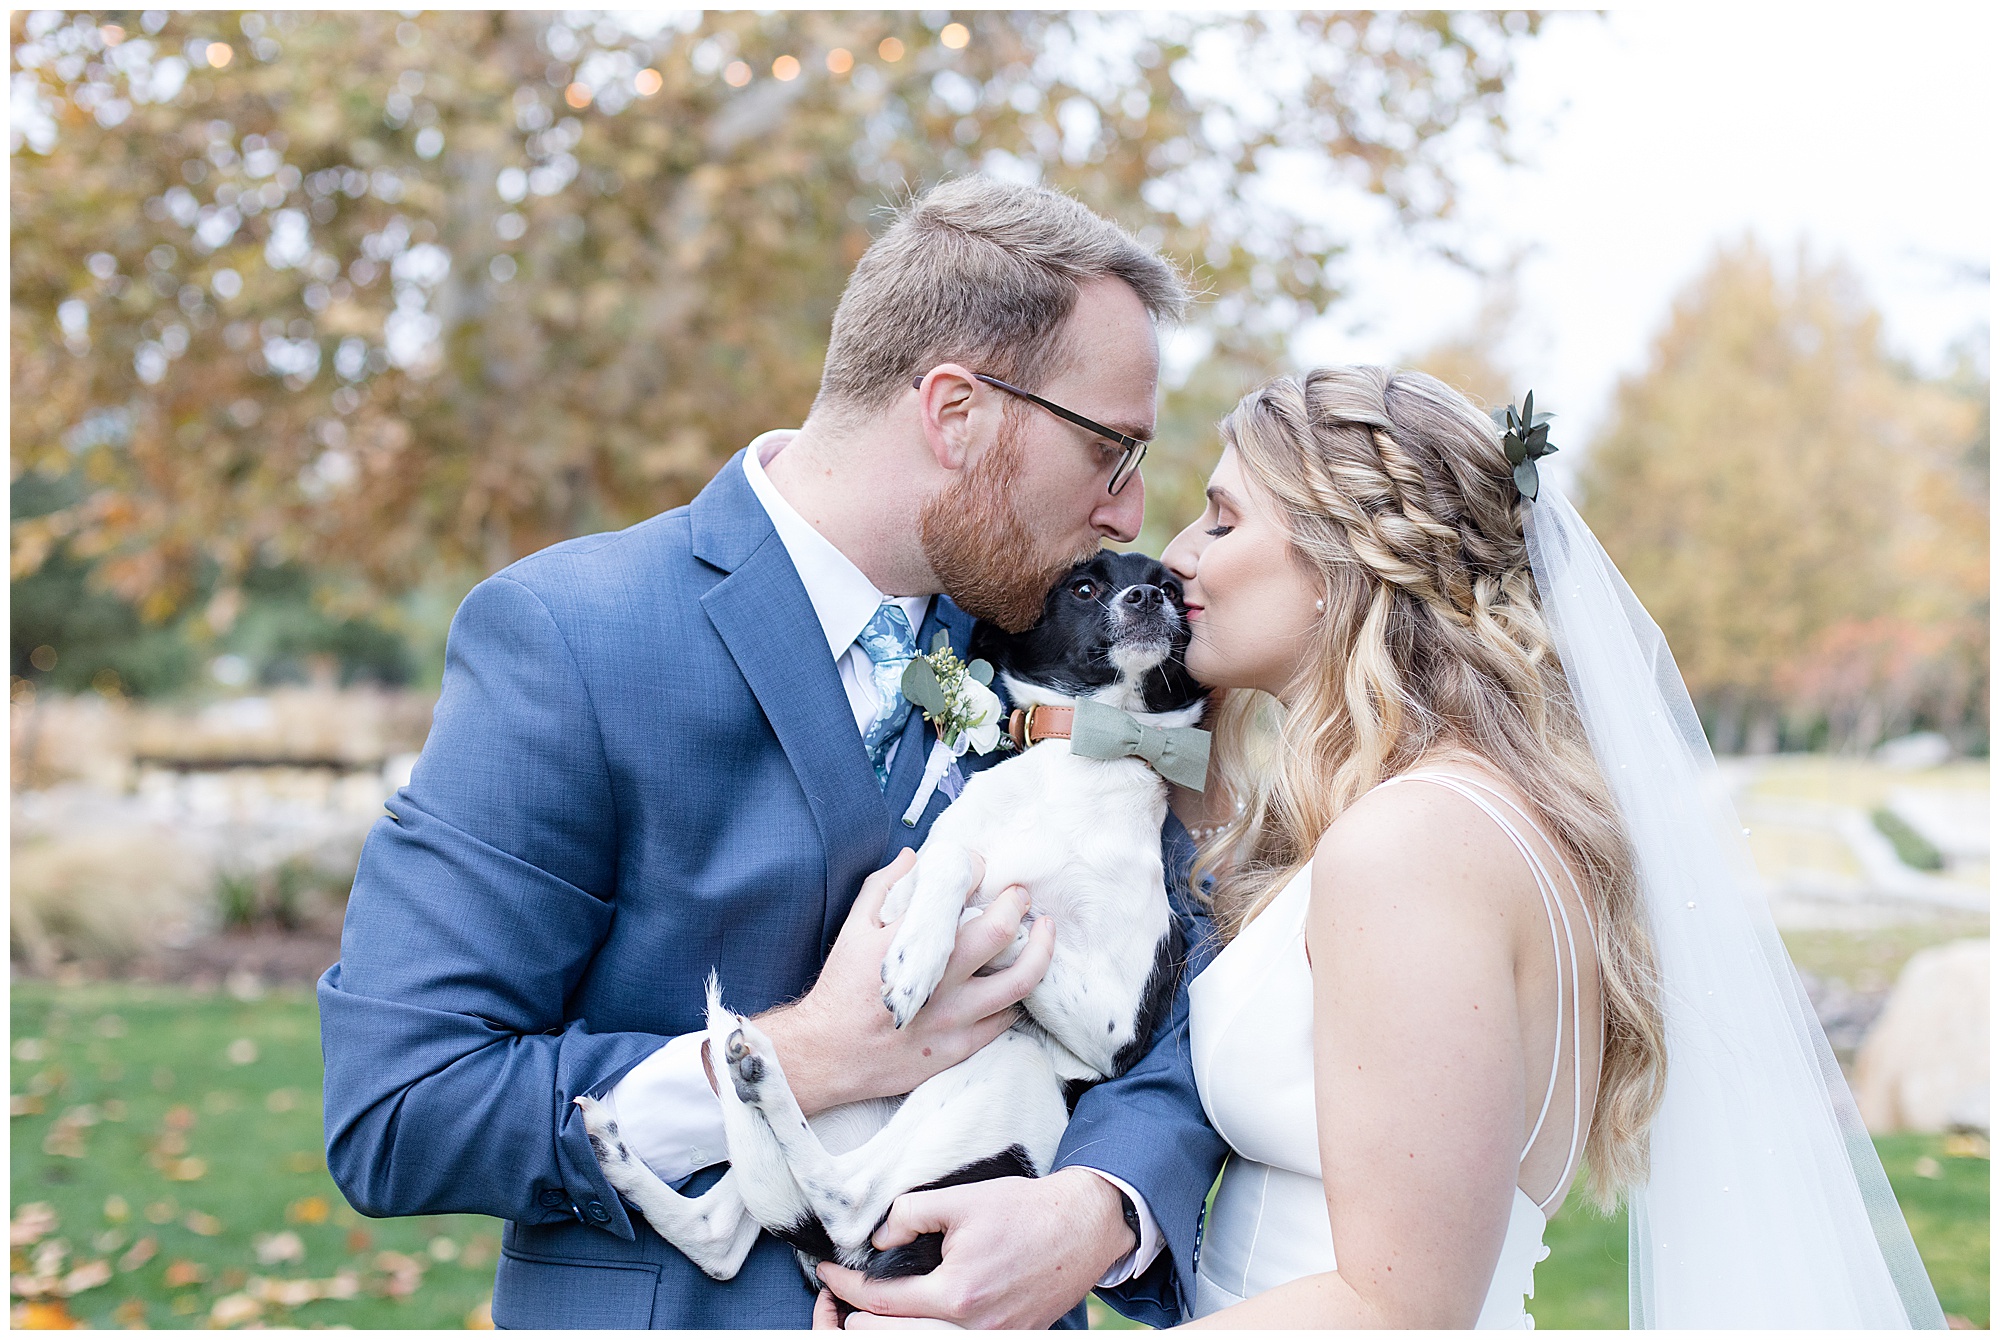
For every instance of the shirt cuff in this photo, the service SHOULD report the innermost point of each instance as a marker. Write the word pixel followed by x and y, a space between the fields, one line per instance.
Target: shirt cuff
pixel 1135 1262
pixel 667 1114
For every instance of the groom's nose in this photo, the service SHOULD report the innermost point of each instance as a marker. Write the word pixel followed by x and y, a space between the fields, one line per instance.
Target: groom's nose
pixel 1119 515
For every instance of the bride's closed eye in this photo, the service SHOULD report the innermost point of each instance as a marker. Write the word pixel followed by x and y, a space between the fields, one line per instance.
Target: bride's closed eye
pixel 1218 531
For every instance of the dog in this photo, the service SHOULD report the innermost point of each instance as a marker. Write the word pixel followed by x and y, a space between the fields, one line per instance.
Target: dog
pixel 1082 835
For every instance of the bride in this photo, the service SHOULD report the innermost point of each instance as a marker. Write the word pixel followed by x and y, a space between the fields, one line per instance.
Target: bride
pixel 1490 926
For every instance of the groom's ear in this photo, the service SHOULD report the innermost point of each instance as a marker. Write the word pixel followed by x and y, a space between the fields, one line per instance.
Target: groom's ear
pixel 949 407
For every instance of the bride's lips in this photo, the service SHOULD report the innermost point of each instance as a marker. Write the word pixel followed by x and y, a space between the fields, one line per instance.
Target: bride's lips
pixel 1193 612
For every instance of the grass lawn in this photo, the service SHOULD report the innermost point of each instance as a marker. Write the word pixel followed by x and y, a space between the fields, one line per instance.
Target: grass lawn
pixel 176 1138
pixel 175 1141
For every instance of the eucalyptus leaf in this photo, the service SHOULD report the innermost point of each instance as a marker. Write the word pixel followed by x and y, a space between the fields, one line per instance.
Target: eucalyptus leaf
pixel 1525 479
pixel 981 671
pixel 1528 408
pixel 942 642
pixel 921 687
pixel 1516 452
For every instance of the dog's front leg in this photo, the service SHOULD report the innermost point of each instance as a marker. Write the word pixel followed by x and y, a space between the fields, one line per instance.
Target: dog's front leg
pixel 713 1230
pixel 930 902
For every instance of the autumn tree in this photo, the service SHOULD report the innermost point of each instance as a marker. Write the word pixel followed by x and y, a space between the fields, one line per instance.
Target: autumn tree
pixel 1803 515
pixel 391 297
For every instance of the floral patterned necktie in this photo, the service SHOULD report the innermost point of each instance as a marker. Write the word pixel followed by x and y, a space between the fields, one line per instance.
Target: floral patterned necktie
pixel 891 644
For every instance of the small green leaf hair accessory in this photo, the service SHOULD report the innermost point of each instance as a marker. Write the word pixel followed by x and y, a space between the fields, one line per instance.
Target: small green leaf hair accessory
pixel 1524 436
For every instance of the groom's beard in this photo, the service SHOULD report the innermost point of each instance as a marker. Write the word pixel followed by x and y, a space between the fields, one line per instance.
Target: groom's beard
pixel 982 549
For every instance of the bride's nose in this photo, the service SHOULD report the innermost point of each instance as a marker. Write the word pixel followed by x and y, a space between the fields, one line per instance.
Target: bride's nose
pixel 1180 556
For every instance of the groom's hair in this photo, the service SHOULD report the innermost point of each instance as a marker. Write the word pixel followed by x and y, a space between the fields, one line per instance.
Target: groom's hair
pixel 980 272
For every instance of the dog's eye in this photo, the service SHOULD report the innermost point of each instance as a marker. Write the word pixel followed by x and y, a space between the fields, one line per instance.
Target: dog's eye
pixel 1174 593
pixel 1084 590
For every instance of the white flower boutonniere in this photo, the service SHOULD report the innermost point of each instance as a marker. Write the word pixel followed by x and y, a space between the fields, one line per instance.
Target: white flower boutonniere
pixel 958 699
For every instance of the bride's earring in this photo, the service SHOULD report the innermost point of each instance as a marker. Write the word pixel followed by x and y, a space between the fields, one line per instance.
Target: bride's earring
pixel 1320 605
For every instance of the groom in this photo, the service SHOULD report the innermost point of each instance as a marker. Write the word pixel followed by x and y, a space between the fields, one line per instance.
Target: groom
pixel 680 748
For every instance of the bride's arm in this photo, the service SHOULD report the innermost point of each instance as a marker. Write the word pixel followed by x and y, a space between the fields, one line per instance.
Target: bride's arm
pixel 1417 1058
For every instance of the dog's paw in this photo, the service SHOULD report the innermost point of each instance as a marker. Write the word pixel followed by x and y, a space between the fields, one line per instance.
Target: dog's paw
pixel 748 1067
pixel 613 1157
pixel 911 972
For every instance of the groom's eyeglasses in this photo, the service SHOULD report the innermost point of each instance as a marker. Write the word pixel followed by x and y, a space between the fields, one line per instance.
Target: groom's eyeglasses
pixel 1135 450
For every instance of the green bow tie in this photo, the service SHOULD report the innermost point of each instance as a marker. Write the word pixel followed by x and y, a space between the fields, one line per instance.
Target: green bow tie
pixel 1177 753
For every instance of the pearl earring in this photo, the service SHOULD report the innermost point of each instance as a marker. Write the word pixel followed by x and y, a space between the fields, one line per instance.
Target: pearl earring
pixel 1320 605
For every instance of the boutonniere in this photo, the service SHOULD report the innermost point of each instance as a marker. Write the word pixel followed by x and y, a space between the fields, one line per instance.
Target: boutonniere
pixel 957 698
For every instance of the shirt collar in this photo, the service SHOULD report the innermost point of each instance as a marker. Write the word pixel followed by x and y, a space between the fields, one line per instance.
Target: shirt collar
pixel 842 596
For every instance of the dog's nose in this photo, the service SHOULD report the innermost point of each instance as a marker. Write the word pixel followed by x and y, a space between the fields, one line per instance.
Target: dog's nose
pixel 1145 597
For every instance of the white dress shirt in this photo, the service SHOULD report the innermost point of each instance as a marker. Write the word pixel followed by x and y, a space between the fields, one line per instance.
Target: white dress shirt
pixel 664 1107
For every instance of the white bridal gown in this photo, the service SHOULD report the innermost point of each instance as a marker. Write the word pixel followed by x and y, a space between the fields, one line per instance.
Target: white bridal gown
pixel 1251 1033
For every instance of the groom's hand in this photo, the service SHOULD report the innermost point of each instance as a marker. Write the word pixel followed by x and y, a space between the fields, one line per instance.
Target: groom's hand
pixel 840 1044
pixel 1018 1252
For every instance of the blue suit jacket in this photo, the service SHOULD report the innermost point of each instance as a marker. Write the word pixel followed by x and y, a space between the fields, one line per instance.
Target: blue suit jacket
pixel 642 766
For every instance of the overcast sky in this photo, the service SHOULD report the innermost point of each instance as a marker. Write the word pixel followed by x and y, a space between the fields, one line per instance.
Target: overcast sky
pixel 1652 135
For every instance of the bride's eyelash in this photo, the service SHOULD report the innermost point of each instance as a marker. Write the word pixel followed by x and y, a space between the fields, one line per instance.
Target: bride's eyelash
pixel 1219 531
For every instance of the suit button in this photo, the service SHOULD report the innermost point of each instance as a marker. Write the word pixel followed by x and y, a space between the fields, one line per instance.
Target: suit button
pixel 552 1198
pixel 598 1212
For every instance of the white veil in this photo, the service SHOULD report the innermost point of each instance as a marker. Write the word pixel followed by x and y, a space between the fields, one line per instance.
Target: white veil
pixel 1767 1206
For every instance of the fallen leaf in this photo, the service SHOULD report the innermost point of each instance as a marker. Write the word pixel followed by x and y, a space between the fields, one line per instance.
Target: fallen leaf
pixel 243 1051
pixel 86 1276
pixel 179 1117
pixel 278 1248
pixel 142 1251
pixel 186 1170
pixel 32 1222
pixel 64 1141
pixel 281 1100
pixel 49 1256
pixel 232 1277
pixel 442 1249
pixel 131 1314
pixel 181 1273
pixel 25 1104
pixel 1926 1166
pixel 481 1317
pixel 160 1211
pixel 234 1309
pixel 359 1239
pixel 304 1161
pixel 32 1286
pixel 297 1293
pixel 116 1209
pixel 110 1240
pixel 1967 1145
pixel 307 1210
pixel 207 1225
pixel 49 1316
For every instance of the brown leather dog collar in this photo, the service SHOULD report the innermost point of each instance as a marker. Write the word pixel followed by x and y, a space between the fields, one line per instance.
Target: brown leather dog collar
pixel 1039 723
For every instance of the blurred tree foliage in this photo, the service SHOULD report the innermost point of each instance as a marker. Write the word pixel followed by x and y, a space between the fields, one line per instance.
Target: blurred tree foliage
pixel 1804 516
pixel 385 297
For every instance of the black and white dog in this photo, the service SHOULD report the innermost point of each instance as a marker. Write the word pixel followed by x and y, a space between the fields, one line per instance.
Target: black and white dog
pixel 1082 836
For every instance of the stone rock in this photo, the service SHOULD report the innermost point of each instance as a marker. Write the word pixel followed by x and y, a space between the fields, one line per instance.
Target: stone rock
pixel 1924 1065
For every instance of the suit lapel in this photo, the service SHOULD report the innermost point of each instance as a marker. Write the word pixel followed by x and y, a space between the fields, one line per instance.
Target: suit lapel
pixel 915 745
pixel 762 614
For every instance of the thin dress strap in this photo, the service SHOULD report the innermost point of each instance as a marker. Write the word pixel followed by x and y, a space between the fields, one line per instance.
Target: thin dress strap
pixel 1553 906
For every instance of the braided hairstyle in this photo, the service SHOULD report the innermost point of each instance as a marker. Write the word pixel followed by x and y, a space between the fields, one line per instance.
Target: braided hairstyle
pixel 1400 502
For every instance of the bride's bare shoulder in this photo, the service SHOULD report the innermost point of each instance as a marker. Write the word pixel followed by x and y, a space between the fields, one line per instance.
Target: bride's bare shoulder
pixel 1416 839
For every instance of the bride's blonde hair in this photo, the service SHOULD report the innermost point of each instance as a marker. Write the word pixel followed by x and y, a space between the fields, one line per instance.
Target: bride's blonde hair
pixel 1400 502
